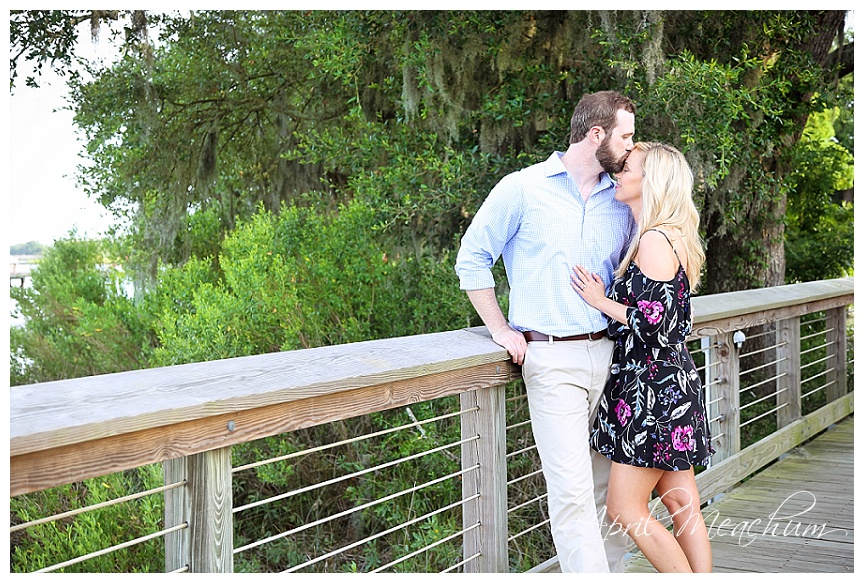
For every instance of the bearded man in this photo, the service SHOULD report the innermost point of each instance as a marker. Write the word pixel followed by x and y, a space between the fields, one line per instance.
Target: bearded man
pixel 544 220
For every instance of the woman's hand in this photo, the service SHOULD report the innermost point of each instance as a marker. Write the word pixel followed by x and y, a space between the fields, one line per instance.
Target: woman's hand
pixel 591 288
pixel 588 285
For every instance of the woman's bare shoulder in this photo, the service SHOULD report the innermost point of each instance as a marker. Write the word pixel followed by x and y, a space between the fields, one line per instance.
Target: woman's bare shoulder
pixel 655 257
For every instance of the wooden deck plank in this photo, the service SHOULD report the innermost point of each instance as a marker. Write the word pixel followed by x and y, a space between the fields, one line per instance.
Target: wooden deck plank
pixel 796 516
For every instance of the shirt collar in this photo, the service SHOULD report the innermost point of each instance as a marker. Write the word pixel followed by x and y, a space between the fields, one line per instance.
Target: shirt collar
pixel 553 167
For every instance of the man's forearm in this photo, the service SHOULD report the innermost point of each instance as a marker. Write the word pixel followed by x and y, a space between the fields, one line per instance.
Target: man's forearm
pixel 486 305
pixel 489 311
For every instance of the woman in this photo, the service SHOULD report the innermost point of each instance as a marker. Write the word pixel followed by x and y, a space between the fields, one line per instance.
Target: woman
pixel 651 417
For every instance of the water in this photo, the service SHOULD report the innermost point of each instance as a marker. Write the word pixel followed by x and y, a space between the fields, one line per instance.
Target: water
pixel 14 319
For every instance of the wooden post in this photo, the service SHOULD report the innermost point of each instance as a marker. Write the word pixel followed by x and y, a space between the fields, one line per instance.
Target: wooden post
pixel 489 480
pixel 789 371
pixel 835 323
pixel 724 372
pixel 207 545
pixel 176 514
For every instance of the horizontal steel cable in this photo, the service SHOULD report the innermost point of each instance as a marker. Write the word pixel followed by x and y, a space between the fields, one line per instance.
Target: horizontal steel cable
pixel 767 348
pixel 761 366
pixel 814 335
pixel 464 561
pixel 352 475
pixel 352 510
pixel 517 425
pixel 809 364
pixel 817 375
pixel 527 503
pixel 381 534
pixel 527 530
pixel 762 382
pixel 523 450
pixel 774 410
pixel 426 548
pixel 817 389
pixel 348 441
pixel 759 400
pixel 113 548
pixel 105 504
pixel 524 477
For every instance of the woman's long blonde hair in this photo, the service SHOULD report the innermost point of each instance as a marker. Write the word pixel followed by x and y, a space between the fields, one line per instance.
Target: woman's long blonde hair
pixel 667 201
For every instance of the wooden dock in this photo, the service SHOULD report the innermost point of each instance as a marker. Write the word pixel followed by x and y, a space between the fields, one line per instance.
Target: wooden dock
pixel 795 516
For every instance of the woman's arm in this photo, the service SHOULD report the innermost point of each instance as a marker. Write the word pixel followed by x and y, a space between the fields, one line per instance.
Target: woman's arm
pixel 591 288
pixel 655 260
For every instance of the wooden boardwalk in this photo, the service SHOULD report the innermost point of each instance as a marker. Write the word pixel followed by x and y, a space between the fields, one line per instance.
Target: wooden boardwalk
pixel 796 516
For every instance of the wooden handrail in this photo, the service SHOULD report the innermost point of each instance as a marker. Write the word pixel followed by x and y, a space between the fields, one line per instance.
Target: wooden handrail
pixel 65 431
pixel 732 311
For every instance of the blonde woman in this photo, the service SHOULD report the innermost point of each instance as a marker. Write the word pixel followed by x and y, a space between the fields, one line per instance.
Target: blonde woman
pixel 651 418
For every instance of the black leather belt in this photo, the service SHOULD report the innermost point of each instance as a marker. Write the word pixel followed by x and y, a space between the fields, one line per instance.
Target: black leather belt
pixel 532 336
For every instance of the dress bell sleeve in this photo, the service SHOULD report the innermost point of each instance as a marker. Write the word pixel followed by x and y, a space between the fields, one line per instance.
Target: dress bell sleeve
pixel 651 320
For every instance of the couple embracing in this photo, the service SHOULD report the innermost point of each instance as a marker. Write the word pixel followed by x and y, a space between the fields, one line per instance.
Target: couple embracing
pixel 617 408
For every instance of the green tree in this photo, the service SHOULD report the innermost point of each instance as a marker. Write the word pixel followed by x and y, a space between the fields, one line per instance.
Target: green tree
pixel 300 279
pixel 201 125
pixel 421 112
pixel 237 109
pixel 819 227
pixel 77 320
pixel 734 91
pixel 29 248
pixel 51 36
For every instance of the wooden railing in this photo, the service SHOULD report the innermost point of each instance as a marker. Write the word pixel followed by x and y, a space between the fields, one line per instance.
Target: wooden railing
pixel 190 416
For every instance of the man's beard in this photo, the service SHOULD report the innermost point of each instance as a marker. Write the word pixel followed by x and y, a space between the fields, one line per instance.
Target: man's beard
pixel 607 158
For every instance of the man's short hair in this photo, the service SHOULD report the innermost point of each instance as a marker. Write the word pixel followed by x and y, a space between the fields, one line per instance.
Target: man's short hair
pixel 598 109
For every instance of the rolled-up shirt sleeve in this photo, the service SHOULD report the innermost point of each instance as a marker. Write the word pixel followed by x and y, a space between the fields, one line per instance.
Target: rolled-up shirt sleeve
pixel 491 230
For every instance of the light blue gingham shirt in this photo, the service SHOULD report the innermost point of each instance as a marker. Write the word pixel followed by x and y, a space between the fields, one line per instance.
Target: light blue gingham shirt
pixel 537 220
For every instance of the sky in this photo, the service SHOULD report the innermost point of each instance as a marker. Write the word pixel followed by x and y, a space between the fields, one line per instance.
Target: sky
pixel 45 203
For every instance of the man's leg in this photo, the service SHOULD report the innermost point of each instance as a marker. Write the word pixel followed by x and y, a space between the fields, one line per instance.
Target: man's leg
pixel 615 540
pixel 555 379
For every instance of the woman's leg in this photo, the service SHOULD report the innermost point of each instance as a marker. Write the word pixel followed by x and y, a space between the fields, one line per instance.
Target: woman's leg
pixel 678 492
pixel 627 504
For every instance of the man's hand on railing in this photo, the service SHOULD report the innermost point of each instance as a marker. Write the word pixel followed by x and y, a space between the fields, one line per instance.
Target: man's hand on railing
pixel 513 341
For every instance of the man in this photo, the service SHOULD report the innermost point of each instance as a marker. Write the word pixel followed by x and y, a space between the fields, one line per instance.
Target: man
pixel 545 219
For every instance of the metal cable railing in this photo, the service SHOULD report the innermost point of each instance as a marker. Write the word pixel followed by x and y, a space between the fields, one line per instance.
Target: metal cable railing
pixel 381 534
pixel 757 391
pixel 109 503
pixel 67 516
pixel 351 476
pixel 426 548
pixel 111 549
pixel 350 511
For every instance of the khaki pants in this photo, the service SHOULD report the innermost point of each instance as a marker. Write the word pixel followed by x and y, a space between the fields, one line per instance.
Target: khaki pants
pixel 564 381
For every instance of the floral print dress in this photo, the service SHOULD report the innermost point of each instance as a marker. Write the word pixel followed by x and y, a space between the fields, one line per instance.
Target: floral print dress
pixel 652 411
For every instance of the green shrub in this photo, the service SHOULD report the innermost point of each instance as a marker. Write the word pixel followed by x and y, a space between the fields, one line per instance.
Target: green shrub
pixel 54 542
